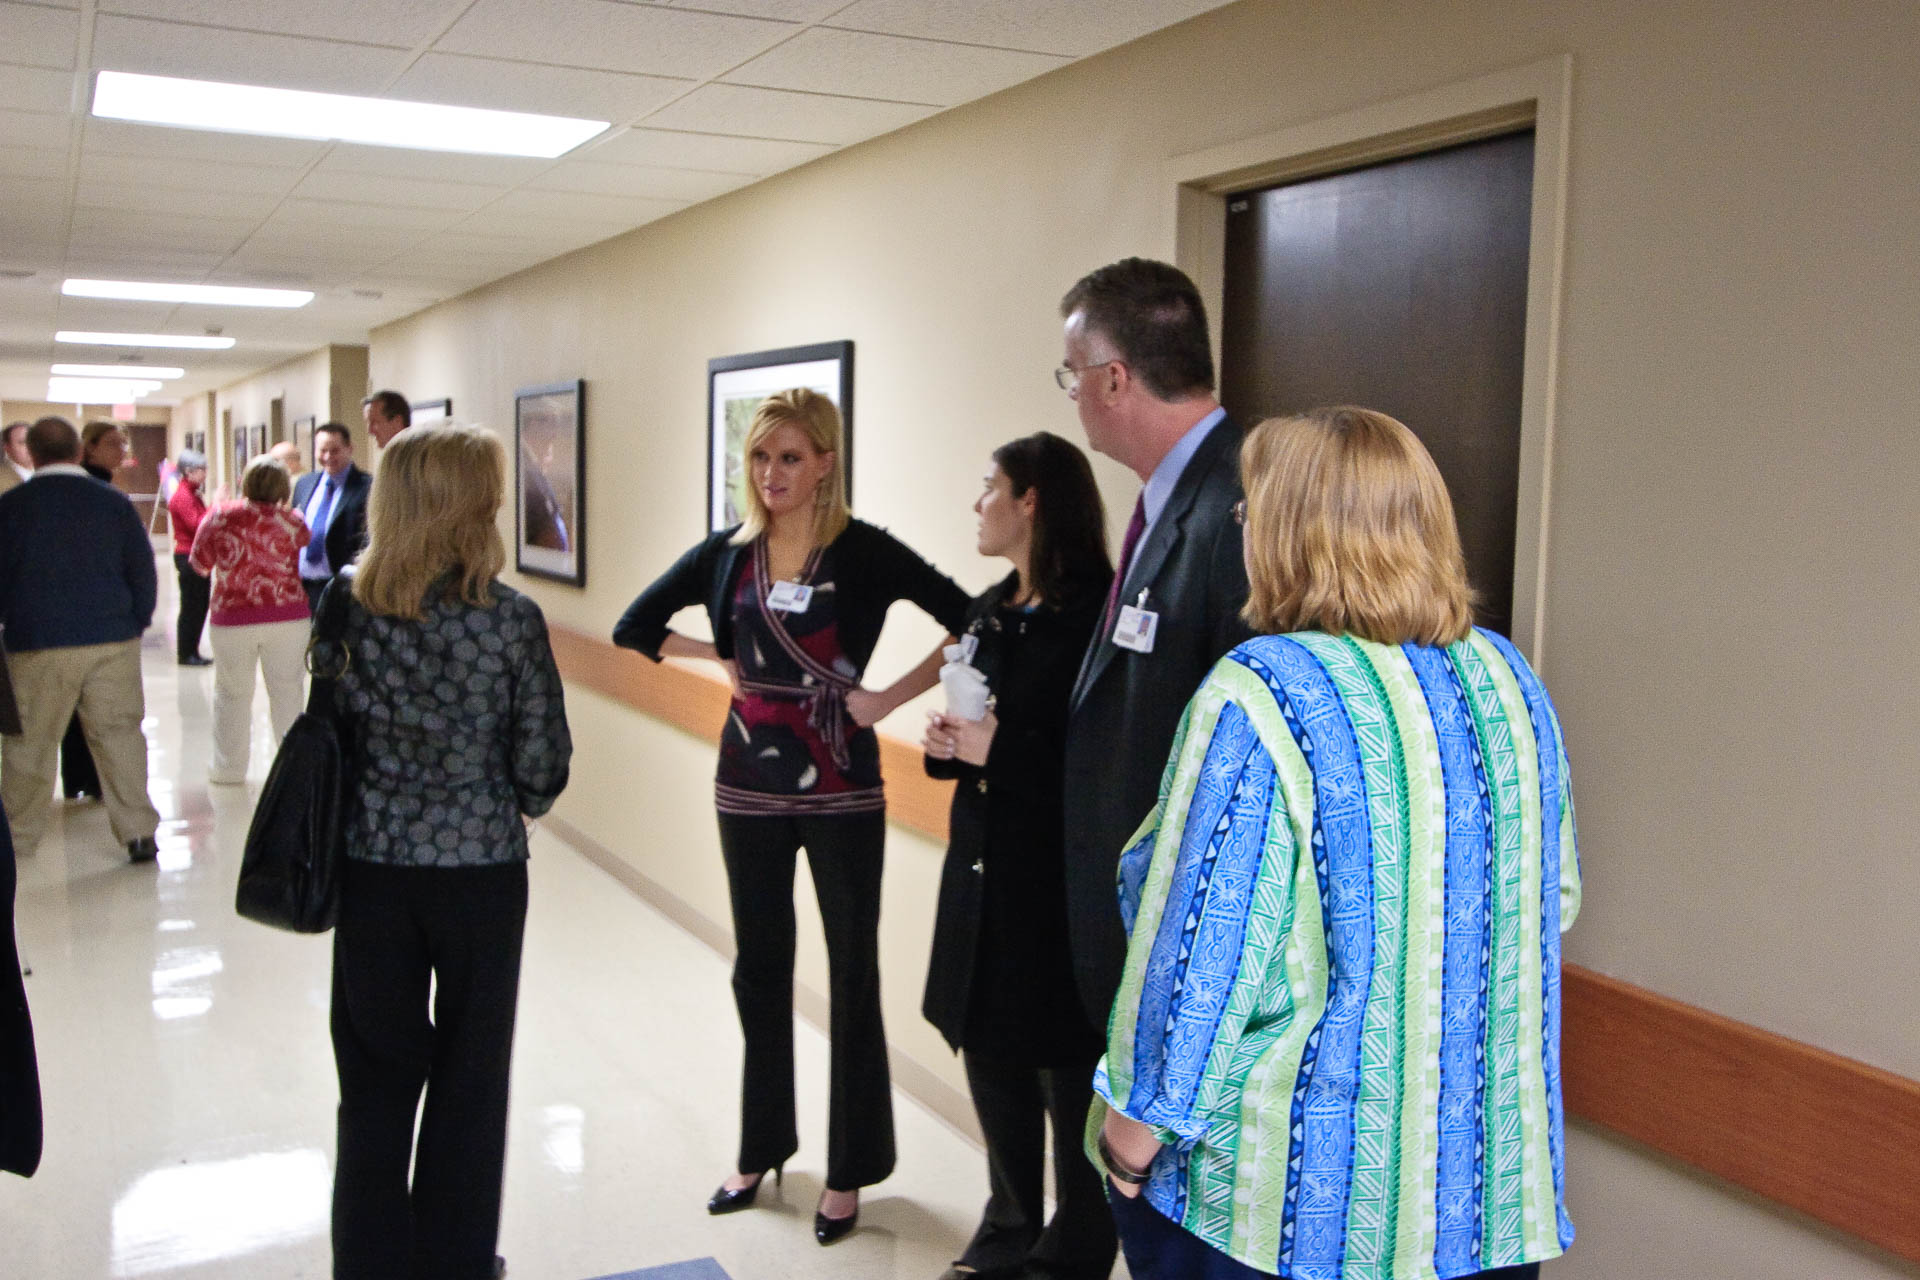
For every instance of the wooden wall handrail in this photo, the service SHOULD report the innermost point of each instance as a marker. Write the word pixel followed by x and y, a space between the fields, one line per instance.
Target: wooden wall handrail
pixel 1831 1137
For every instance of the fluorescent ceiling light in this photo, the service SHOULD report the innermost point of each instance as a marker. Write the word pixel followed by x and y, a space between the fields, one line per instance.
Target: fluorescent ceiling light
pixel 138 372
pixel 143 340
pixel 97 390
pixel 219 295
pixel 336 117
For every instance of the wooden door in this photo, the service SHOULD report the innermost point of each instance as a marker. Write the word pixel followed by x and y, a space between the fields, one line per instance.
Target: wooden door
pixel 1401 287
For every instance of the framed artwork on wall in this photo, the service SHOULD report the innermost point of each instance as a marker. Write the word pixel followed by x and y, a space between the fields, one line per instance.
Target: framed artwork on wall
pixel 303 442
pixel 735 387
pixel 426 412
pixel 259 445
pixel 550 481
pixel 240 454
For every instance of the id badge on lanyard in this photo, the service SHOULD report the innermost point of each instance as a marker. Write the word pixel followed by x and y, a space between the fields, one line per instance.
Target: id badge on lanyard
pixel 1136 626
pixel 789 597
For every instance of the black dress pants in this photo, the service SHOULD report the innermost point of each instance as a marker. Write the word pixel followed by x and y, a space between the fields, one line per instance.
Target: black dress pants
pixel 195 588
pixel 1015 1105
pixel 845 854
pixel 405 931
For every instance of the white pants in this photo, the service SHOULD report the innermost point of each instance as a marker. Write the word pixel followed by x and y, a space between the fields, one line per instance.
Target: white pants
pixel 280 650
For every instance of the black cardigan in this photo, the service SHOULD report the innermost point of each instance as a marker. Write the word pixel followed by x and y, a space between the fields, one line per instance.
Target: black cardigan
pixel 1000 982
pixel 872 569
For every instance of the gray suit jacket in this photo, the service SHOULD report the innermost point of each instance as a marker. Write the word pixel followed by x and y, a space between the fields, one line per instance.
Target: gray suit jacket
pixel 1126 705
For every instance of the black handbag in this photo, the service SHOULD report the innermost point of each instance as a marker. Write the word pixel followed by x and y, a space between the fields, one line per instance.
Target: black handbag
pixel 290 873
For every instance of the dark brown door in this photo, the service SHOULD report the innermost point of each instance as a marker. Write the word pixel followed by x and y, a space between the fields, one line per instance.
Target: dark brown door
pixel 1401 287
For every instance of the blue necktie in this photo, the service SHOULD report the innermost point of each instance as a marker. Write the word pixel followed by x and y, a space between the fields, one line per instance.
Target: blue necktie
pixel 317 549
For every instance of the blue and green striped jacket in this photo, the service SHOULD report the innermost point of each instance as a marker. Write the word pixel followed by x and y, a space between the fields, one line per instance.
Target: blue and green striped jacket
pixel 1341 1001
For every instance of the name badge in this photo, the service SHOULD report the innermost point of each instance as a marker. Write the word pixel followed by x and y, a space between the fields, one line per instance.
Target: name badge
pixel 969 646
pixel 790 597
pixel 1136 626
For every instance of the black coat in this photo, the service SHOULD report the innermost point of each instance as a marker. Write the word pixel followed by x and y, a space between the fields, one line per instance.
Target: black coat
pixel 347 523
pixel 1000 982
pixel 20 1132
pixel 1126 705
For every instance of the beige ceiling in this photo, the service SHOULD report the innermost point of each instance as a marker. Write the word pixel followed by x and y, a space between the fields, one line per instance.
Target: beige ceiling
pixel 706 96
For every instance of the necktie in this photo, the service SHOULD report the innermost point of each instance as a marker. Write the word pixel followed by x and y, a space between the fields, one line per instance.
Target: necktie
pixel 1135 527
pixel 317 549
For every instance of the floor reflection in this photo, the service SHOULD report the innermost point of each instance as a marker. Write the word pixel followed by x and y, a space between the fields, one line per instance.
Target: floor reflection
pixel 199 1213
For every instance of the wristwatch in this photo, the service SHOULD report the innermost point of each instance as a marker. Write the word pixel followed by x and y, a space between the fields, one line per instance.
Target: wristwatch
pixel 1118 1170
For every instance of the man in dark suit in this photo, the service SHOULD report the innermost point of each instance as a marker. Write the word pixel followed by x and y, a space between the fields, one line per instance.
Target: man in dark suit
pixel 333 498
pixel 77 587
pixel 1139 368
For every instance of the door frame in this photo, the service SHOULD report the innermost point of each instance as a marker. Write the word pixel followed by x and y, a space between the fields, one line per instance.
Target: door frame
pixel 1539 95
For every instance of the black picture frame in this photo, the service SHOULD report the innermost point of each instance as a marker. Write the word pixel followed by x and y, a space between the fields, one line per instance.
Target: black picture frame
pixel 737 384
pixel 423 412
pixel 550 481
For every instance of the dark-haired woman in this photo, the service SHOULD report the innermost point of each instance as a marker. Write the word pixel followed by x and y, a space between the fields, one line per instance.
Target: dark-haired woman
pixel 797 595
pixel 1000 986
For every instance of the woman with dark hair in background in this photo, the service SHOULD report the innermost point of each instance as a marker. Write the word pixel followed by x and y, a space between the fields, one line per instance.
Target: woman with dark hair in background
pixel 1335 1051
pixel 1000 985
pixel 797 595
pixel 457 728
pixel 188 508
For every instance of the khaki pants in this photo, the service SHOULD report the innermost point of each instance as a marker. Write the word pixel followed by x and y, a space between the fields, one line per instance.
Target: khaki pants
pixel 103 682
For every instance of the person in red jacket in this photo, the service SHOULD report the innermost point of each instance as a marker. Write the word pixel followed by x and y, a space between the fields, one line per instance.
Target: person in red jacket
pixel 188 509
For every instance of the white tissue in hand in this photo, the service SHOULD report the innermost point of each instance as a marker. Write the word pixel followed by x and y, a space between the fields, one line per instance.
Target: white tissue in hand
pixel 965 687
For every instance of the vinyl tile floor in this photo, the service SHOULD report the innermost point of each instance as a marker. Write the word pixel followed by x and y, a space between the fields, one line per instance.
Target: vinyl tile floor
pixel 190 1089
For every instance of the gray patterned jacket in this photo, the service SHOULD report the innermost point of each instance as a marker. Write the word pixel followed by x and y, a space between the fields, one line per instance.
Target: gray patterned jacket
pixel 458 727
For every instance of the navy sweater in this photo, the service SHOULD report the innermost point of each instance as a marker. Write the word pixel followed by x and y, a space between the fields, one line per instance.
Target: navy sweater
pixel 75 566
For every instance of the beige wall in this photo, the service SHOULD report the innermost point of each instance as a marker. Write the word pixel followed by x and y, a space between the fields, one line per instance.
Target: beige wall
pixel 325 384
pixel 1730 576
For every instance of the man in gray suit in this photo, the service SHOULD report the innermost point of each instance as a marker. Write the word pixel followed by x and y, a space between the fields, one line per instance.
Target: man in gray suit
pixel 1139 368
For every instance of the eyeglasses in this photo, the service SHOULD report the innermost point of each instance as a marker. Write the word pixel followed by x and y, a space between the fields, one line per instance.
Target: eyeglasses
pixel 1064 376
pixel 1240 512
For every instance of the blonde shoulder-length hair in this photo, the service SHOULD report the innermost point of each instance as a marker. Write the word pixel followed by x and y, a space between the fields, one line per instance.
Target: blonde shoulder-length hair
pixel 819 420
pixel 431 513
pixel 1349 530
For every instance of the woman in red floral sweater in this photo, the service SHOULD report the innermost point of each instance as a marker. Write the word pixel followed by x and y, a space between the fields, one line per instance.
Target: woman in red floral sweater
pixel 259 611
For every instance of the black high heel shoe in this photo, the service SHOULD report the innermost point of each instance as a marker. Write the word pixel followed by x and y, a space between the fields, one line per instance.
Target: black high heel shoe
pixel 732 1201
pixel 827 1230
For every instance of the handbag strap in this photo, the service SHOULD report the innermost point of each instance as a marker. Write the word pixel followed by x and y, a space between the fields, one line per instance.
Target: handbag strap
pixel 330 628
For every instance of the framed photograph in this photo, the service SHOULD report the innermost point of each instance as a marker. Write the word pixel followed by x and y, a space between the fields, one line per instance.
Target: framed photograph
pixel 259 440
pixel 426 412
pixel 735 387
pixel 303 442
pixel 550 489
pixel 240 453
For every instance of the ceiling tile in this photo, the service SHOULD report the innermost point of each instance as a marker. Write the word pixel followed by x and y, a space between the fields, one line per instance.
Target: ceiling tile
pixel 642 38
pixel 25 196
pixel 784 10
pixel 38 37
pixel 544 227
pixel 789 117
pixel 95 193
pixel 242 57
pixel 36 89
pixel 639 180
pixel 433 166
pixel 124 138
pixel 519 86
pixel 30 163
pixel 305 217
pixel 123 229
pixel 176 172
pixel 333 184
pixel 715 153
pixel 576 206
pixel 872 66
pixel 404 23
pixel 1070 27
pixel 106 264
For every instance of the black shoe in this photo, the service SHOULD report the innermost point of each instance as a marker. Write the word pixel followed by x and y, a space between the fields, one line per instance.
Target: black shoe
pixel 827 1230
pixel 730 1201
pixel 144 849
pixel 499 1267
pixel 195 660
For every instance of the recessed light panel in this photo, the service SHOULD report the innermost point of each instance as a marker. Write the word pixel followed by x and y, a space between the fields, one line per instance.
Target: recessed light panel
pixel 219 295
pixel 97 390
pixel 336 117
pixel 139 371
pixel 179 340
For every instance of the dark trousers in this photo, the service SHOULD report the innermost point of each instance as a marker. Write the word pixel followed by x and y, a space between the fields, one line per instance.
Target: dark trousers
pixel 845 854
pixel 78 776
pixel 313 588
pixel 405 931
pixel 194 589
pixel 1158 1249
pixel 1015 1105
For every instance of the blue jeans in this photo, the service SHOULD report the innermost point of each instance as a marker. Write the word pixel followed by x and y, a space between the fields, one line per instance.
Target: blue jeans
pixel 1158 1249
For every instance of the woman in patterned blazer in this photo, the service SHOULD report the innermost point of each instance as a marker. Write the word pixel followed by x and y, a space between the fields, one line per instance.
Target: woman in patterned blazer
pixel 1335 1050
pixel 457 732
